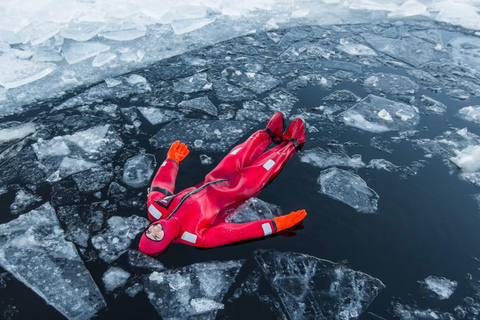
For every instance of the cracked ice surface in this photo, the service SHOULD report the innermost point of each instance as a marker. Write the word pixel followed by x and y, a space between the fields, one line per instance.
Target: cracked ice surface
pixel 195 291
pixel 376 114
pixel 116 239
pixel 312 288
pixel 58 275
pixel 349 188
pixel 65 155
pixel 216 136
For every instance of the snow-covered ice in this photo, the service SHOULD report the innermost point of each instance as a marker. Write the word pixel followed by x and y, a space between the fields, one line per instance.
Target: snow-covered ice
pixel 349 188
pixel 442 287
pixel 117 237
pixel 17 132
pixel 312 288
pixel 157 116
pixel 114 277
pixel 34 250
pixel 196 290
pixel 376 114
pixel 24 200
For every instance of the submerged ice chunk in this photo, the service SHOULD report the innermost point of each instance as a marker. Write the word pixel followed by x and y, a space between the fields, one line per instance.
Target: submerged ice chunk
pixel 195 291
pixel 141 260
pixel 252 210
pixel 24 200
pixel 471 113
pixel 93 180
pixel 34 250
pixel 376 114
pixel 115 240
pixel 323 159
pixel 349 188
pixel 114 277
pixel 157 116
pixel 442 287
pixel 217 135
pixel 201 104
pixel 391 84
pixel 195 83
pixel 468 159
pixel 355 49
pixel 138 170
pixel 280 100
pixel 312 288
pixel 75 52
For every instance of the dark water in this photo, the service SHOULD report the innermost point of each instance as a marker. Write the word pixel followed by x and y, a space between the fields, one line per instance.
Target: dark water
pixel 427 222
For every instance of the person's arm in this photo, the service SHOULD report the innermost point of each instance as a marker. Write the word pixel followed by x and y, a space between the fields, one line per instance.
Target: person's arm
pixel 164 181
pixel 225 233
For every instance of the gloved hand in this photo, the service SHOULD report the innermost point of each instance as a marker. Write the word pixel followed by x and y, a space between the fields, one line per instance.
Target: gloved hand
pixel 289 220
pixel 178 151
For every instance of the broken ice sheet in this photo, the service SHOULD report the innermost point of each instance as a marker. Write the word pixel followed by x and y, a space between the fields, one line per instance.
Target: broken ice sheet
pixel 382 164
pixel 280 100
pixel 75 52
pixel 433 105
pixel 192 292
pixel 465 51
pixel 59 275
pixel 24 200
pixel 116 239
pixel 138 170
pixel 442 287
pixel 16 131
pixel 230 93
pixel 323 159
pixel 141 260
pixel 114 277
pixel 349 188
pixel 312 288
pixel 17 72
pixel 217 135
pixel 256 82
pixel 390 84
pixel 93 180
pixel 252 209
pixel 195 83
pixel 470 113
pixel 201 104
pixel 376 114
pixel 405 312
pixel 355 49
pixel 342 96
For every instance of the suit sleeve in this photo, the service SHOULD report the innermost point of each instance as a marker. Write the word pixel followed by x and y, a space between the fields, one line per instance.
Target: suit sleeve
pixel 225 233
pixel 164 181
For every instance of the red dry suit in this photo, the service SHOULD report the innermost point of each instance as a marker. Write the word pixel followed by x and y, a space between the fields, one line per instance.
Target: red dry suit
pixel 187 216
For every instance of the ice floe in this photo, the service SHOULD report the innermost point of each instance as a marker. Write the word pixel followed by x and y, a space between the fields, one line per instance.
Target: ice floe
pixel 114 277
pixel 442 287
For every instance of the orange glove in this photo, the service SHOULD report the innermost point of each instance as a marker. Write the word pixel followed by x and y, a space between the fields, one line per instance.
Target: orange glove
pixel 289 220
pixel 178 151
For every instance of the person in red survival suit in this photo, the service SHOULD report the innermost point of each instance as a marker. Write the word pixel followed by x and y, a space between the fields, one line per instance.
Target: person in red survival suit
pixel 187 216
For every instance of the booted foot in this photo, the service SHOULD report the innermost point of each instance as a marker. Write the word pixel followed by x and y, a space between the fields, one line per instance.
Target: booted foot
pixel 276 125
pixel 296 133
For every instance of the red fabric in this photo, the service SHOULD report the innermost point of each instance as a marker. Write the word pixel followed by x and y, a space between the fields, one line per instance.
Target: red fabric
pixel 242 173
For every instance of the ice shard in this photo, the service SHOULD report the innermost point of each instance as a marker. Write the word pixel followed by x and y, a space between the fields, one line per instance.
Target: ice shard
pixel 376 114
pixel 117 237
pixel 323 159
pixel 252 210
pixel 17 72
pixel 192 292
pixel 442 287
pixel 349 188
pixel 138 170
pixel 312 288
pixel 34 250
pixel 390 84
pixel 201 104
pixel 217 135
pixel 16 131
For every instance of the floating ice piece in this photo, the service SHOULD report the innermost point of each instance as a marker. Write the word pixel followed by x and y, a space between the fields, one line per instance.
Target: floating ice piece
pixel 442 287
pixel 134 290
pixel 17 72
pixel 404 312
pixel 342 96
pixel 75 52
pixel 82 31
pixel 459 94
pixel 408 9
pixel 206 160
pixel 115 240
pixel 17 132
pixel 141 260
pixel 217 135
pixel 471 113
pixel 195 83
pixel 189 25
pixel 280 100
pixel 376 114
pixel 138 170
pixel 253 209
pixel 93 180
pixel 124 35
pixel 382 164
pixel 157 116
pixel 312 288
pixel 114 277
pixel 468 159
pixel 349 188
pixel 194 291
pixel 103 58
pixel 69 166
pixel 201 104
pixel 24 200
pixel 390 83
pixel 465 51
pixel 323 159
pixel 355 49
pixel 80 221
pixel 410 50
pixel 433 105
pixel 34 250
pixel 39 33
